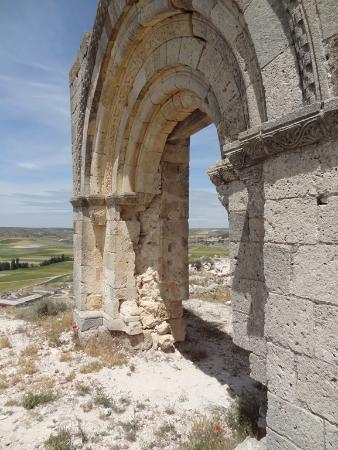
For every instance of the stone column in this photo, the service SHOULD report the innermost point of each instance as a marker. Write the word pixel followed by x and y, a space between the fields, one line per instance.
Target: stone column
pixel 122 236
pixel 89 236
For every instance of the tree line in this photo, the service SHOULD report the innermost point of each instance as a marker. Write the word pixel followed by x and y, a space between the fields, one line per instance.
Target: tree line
pixel 13 265
pixel 16 264
pixel 55 259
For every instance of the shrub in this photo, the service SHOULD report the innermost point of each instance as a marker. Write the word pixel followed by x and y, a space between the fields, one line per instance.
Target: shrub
pixel 32 400
pixel 61 441
pixel 208 434
pixel 243 418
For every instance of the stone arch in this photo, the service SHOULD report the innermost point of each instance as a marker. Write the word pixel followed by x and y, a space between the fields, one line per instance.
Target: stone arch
pixel 264 72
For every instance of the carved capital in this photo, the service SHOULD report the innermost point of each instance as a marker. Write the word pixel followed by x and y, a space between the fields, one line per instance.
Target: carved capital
pixel 95 204
pixel 223 172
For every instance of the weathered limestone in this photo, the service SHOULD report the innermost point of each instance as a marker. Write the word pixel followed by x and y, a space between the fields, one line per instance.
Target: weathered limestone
pixel 265 72
pixel 296 355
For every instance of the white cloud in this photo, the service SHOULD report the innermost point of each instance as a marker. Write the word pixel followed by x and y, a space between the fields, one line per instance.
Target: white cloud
pixel 28 165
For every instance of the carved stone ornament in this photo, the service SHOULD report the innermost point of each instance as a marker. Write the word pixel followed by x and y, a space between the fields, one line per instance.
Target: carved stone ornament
pixel 308 126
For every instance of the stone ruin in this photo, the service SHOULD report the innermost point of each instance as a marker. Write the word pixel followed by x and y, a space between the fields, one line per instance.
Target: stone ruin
pixel 265 72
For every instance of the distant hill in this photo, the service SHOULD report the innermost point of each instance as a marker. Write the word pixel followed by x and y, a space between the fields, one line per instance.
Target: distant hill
pixel 66 233
pixel 14 232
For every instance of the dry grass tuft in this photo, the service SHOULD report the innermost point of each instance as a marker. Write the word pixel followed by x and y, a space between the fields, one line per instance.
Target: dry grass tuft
pixel 54 326
pixel 66 357
pixel 27 366
pixel 109 349
pixel 94 366
pixel 3 382
pixel 70 377
pixel 224 430
pixel 15 379
pixel 30 350
pixel 43 384
pixel 5 342
pixel 82 389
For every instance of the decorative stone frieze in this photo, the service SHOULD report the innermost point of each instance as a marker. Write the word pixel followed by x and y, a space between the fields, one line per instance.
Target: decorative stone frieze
pixel 311 125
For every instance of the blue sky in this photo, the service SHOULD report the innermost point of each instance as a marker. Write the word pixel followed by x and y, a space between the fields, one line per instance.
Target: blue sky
pixel 39 42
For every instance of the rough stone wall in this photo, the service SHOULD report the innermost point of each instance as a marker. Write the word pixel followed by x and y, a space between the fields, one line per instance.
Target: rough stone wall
pixel 301 271
pixel 284 246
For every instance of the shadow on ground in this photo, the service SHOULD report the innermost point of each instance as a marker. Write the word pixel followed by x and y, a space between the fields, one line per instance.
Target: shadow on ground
pixel 213 351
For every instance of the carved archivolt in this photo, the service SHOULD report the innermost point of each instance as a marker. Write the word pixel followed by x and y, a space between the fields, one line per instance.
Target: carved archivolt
pixel 301 35
pixel 138 48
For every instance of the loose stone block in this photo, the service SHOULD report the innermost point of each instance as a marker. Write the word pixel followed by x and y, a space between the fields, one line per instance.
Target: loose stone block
pixel 304 429
pixel 87 320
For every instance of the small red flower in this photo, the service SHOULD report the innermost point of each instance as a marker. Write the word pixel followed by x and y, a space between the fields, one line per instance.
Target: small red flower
pixel 218 428
pixel 74 327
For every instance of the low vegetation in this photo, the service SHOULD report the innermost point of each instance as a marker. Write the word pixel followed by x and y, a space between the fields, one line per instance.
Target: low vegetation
pixel 224 430
pixel 32 400
pixel 60 441
pixel 51 316
pixel 109 348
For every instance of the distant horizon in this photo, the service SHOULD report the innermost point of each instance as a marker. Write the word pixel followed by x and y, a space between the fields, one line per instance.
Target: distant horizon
pixel 71 228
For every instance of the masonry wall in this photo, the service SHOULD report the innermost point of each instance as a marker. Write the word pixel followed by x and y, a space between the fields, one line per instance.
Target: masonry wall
pixel 301 273
pixel 283 216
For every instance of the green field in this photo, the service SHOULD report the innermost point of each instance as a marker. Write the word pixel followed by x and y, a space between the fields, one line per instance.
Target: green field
pixel 34 250
pixel 15 279
pixel 33 246
pixel 202 251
